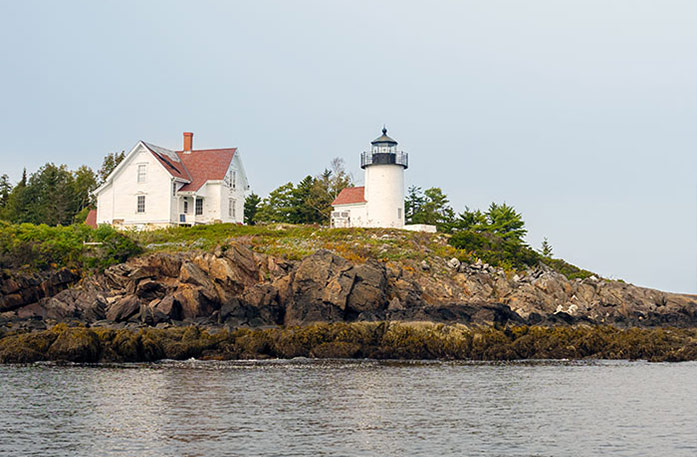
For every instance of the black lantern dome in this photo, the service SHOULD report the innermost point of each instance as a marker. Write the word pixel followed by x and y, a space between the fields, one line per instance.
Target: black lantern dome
pixel 384 139
pixel 383 151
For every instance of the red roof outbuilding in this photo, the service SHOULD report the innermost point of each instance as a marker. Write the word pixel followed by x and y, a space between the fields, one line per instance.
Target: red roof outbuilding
pixel 350 195
pixel 91 218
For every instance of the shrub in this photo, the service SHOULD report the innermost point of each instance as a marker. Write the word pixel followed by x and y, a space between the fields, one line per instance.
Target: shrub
pixel 40 247
pixel 494 250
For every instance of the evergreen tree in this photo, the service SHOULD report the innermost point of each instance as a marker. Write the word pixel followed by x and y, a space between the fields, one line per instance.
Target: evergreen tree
pixel 16 207
pixel 430 208
pixel 504 221
pixel 52 197
pixel 85 182
pixel 5 189
pixel 546 248
pixel 500 220
pixel 413 203
pixel 251 206
pixel 110 162
pixel 325 188
pixel 470 220
pixel 278 206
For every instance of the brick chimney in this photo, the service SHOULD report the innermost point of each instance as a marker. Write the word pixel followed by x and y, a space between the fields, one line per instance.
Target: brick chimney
pixel 188 141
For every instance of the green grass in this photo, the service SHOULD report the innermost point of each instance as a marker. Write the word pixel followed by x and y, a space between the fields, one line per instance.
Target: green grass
pixel 42 247
pixel 294 242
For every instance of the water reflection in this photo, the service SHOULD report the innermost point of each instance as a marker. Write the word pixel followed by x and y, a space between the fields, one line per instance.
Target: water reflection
pixel 350 408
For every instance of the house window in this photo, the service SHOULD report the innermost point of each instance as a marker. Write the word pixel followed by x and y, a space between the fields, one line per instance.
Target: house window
pixel 186 206
pixel 141 204
pixel 199 206
pixel 142 172
pixel 234 179
pixel 174 189
pixel 231 208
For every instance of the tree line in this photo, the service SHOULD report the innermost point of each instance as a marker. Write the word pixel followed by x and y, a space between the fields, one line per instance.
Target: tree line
pixel 307 202
pixel 54 194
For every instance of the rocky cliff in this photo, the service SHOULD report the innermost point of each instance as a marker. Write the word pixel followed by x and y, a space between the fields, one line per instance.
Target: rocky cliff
pixel 235 286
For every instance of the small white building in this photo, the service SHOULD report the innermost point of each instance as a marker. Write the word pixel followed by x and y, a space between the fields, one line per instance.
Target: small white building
pixel 156 187
pixel 380 202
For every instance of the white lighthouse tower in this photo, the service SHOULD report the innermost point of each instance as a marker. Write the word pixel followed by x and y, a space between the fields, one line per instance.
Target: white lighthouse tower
pixel 384 169
pixel 380 203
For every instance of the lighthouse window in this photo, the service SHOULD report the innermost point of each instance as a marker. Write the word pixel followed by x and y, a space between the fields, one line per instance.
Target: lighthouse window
pixel 399 213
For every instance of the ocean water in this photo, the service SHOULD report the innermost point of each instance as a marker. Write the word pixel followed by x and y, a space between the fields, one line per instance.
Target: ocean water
pixel 354 408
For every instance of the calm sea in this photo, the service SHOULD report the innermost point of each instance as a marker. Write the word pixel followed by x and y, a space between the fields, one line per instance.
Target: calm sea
pixel 317 408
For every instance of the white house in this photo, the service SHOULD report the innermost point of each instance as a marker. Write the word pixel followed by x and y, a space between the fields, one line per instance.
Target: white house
pixel 380 202
pixel 157 187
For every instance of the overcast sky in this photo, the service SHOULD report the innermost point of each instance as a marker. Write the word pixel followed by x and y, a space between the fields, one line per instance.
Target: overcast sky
pixel 581 114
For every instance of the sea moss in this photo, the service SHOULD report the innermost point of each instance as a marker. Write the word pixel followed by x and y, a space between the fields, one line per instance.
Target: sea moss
pixel 380 340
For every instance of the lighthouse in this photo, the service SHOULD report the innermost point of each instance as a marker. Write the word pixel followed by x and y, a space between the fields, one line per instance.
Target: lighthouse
pixel 380 202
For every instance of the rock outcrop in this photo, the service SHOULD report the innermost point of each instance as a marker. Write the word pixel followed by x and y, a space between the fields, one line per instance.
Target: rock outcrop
pixel 235 286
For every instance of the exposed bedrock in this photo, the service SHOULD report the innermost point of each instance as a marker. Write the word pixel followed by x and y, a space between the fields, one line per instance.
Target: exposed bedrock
pixel 235 286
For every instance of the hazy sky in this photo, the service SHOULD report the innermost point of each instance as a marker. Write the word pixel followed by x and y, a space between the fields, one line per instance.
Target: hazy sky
pixel 581 114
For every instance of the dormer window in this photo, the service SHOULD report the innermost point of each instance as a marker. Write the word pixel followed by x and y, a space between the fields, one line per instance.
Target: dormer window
pixel 142 172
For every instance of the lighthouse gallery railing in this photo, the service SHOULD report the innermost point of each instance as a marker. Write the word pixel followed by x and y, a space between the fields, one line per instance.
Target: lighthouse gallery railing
pixel 383 158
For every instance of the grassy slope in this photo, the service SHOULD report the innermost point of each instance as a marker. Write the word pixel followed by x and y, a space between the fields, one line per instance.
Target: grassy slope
pixel 294 242
pixel 41 247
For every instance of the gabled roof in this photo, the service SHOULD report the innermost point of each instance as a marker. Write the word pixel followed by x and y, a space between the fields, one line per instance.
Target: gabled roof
pixel 170 160
pixel 195 167
pixel 350 195
pixel 205 165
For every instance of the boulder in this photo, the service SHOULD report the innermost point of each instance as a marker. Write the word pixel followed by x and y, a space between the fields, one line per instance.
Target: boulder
pixel 123 308
pixel 369 287
pixel 21 289
pixel 320 289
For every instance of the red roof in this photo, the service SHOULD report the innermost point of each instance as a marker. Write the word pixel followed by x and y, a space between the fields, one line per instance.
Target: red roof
pixel 205 165
pixel 91 219
pixel 197 166
pixel 350 195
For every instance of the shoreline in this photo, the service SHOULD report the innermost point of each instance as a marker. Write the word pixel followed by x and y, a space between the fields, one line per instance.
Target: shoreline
pixel 397 341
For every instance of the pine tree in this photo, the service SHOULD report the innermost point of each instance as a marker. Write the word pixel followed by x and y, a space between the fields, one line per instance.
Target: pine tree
pixel 109 164
pixel 17 203
pixel 504 221
pixel 251 206
pixel 5 189
pixel 546 248
pixel 413 203
pixel 432 207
